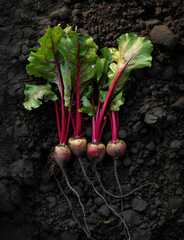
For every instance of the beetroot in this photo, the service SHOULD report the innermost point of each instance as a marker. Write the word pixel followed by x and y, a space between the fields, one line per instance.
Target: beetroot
pixel 77 145
pixel 95 151
pixel 116 149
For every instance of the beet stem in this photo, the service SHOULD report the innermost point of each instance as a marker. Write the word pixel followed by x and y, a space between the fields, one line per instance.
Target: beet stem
pixel 100 195
pixel 110 92
pixel 78 197
pixel 70 206
pixel 61 94
pixel 58 121
pixel 93 125
pixel 114 127
pixel 101 130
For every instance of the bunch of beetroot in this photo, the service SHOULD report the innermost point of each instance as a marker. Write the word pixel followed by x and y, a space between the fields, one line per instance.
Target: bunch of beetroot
pixel 73 72
pixel 70 61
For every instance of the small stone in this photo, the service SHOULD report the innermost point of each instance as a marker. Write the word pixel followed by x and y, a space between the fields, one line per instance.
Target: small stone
pixel 137 126
pixel 123 134
pixel 178 106
pixel 154 116
pixel 104 210
pixel 154 213
pixel 152 22
pixel 132 218
pixel 76 12
pixel 140 161
pixel 176 145
pixel 163 36
pixel 47 187
pixel 151 146
pixel 52 201
pixel 98 201
pixel 86 13
pixel 158 11
pixel 139 205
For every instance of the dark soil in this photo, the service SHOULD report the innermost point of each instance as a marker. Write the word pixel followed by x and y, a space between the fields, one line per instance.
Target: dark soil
pixel 151 123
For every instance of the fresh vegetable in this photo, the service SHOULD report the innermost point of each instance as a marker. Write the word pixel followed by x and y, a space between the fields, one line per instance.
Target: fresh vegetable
pixel 62 154
pixel 113 74
pixel 69 64
pixel 77 145
pixel 95 151
pixel 48 63
pixel 80 54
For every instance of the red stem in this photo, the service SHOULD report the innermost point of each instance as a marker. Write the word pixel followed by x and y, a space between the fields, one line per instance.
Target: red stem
pixel 111 125
pixel 101 130
pixel 73 123
pixel 98 109
pixel 100 120
pixel 57 118
pixel 78 114
pixel 67 128
pixel 114 129
pixel 62 96
pixel 117 121
pixel 93 131
pixel 93 125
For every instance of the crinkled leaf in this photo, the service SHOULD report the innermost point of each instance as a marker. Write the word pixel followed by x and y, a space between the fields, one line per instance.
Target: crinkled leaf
pixel 47 62
pixel 117 102
pixel 80 52
pixel 101 67
pixel 35 93
pixel 133 52
pixel 43 61
pixel 87 107
pixel 106 53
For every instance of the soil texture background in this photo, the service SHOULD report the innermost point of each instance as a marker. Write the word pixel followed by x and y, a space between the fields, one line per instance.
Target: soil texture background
pixel 151 122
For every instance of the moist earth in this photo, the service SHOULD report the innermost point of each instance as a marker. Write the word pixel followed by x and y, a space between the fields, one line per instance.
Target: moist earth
pixel 151 123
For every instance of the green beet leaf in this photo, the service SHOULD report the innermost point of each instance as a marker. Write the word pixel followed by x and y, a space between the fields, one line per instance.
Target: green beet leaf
pixel 133 52
pixel 47 62
pixel 80 53
pixel 117 102
pixel 102 67
pixel 36 93
pixel 87 107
